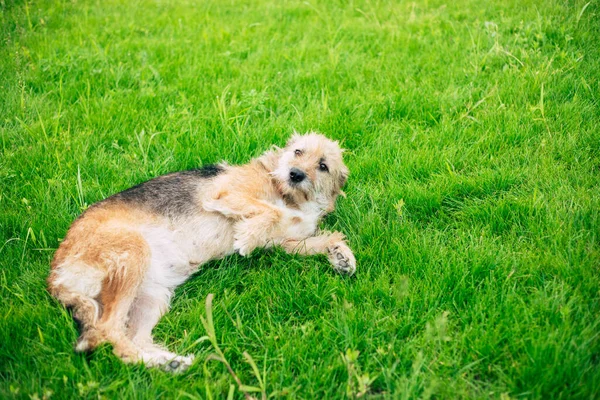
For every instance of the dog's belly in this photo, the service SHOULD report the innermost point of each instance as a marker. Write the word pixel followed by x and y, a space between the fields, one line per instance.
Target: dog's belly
pixel 206 237
pixel 178 251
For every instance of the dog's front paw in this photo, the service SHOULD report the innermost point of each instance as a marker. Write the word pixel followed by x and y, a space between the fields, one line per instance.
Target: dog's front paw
pixel 244 243
pixel 341 258
pixel 248 235
pixel 243 247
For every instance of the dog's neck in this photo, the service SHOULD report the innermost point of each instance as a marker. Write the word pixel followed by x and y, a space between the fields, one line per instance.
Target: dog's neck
pixel 292 199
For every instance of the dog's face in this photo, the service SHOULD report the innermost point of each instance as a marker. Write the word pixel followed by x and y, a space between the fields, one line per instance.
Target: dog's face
pixel 311 167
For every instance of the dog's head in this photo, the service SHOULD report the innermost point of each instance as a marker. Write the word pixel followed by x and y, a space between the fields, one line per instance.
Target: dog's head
pixel 311 167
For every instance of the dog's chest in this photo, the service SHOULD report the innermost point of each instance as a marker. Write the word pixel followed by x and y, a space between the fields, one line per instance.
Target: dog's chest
pixel 303 222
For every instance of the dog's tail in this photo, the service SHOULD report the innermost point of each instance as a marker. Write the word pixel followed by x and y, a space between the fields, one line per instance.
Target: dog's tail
pixel 85 308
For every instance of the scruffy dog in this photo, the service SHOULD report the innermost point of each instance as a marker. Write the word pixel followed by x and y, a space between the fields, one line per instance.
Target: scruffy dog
pixel 122 259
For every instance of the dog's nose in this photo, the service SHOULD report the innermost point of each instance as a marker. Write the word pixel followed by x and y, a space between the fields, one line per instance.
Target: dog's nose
pixel 296 175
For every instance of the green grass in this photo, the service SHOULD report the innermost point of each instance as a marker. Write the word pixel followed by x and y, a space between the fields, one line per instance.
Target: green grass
pixel 473 208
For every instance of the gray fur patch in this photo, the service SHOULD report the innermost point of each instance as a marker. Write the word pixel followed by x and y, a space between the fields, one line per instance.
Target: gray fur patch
pixel 172 195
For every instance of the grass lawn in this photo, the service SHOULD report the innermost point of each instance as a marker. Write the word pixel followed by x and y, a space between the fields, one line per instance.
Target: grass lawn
pixel 473 207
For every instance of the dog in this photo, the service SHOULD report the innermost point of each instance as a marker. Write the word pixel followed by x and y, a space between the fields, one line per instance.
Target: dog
pixel 124 256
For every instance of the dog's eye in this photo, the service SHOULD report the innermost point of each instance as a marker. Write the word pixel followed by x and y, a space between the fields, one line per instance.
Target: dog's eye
pixel 323 167
pixel 298 152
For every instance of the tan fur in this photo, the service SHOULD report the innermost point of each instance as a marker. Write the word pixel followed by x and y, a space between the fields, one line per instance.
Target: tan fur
pixel 120 261
pixel 104 239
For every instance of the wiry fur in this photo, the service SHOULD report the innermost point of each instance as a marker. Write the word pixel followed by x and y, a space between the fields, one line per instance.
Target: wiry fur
pixel 122 259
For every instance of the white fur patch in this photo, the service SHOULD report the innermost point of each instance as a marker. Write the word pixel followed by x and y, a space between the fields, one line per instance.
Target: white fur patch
pixel 79 278
pixel 176 252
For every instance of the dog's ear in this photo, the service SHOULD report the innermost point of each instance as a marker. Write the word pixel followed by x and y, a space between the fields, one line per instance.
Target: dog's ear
pixel 343 177
pixel 337 190
pixel 270 158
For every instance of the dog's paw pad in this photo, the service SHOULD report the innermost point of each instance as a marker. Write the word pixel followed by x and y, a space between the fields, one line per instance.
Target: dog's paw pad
pixel 342 259
pixel 179 364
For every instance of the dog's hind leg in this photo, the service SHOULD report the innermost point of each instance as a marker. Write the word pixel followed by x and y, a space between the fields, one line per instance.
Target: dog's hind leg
pixel 148 307
pixel 117 296
pixel 124 304
pixel 144 314
pixel 99 278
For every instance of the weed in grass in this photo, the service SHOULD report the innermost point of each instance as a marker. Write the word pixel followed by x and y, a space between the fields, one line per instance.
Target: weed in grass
pixel 220 356
pixel 358 384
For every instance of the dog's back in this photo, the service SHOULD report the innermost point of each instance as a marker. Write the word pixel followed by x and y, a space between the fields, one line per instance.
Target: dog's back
pixel 173 195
